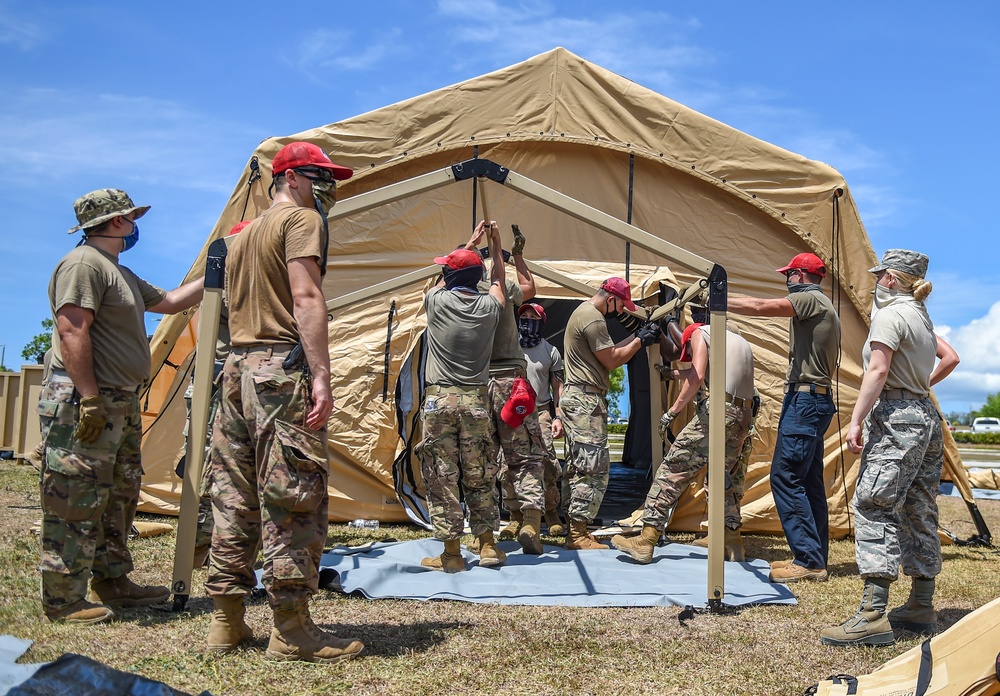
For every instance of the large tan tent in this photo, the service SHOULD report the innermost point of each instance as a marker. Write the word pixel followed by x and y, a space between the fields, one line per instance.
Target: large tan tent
pixel 585 132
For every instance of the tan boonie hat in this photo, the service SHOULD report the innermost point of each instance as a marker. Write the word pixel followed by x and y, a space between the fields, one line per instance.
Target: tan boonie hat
pixel 102 205
pixel 912 262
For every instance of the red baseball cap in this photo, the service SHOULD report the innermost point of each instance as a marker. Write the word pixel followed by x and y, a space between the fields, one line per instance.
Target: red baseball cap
pixel 521 403
pixel 302 154
pixel 620 289
pixel 686 342
pixel 460 258
pixel 810 263
pixel 532 305
pixel 238 227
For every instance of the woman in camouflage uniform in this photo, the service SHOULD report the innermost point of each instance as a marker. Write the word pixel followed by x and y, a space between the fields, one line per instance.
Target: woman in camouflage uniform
pixel 895 500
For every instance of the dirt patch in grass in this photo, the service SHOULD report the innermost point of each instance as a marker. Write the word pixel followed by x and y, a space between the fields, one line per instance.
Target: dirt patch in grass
pixel 454 647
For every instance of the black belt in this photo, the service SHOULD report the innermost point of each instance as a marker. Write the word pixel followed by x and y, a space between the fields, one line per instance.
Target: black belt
pixel 901 395
pixel 807 387
pixel 587 389
pixel 270 349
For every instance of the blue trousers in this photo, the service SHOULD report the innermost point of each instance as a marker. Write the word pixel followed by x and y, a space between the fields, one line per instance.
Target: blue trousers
pixel 797 476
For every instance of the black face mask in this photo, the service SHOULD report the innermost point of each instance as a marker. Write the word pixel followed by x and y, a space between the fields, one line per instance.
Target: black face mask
pixel 802 287
pixel 529 332
pixel 464 278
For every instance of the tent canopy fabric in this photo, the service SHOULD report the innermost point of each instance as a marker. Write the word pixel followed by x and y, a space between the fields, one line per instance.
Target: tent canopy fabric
pixel 593 135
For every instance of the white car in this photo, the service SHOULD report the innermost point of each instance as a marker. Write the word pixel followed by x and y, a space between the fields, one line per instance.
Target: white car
pixel 986 425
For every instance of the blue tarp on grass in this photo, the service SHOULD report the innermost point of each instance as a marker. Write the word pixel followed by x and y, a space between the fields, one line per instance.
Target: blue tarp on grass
pixel 677 576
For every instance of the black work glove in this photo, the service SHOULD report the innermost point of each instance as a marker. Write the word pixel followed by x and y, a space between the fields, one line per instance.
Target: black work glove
pixel 518 248
pixel 648 333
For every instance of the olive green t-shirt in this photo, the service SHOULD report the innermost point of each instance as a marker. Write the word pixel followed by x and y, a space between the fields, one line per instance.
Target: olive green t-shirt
pixel 586 333
pixel 90 278
pixel 813 338
pixel 507 352
pixel 905 328
pixel 460 330
pixel 257 286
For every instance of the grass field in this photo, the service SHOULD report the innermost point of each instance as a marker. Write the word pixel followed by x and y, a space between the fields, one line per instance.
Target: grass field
pixel 453 647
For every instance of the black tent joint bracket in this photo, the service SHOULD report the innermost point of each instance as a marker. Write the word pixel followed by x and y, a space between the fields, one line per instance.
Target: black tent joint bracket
pixel 479 168
pixel 715 606
pixel 718 289
pixel 215 265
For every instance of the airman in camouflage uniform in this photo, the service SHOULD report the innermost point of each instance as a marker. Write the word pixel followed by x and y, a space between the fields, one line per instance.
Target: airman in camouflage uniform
pixel 590 355
pixel 457 453
pixel 898 432
pixel 521 447
pixel 268 471
pixel 90 417
pixel 689 452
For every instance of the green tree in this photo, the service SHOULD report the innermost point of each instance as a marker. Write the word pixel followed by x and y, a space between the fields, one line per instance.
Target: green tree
pixel 40 344
pixel 617 379
pixel 991 408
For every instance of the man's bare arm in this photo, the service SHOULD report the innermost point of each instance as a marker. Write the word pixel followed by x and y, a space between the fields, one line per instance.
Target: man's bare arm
pixel 761 307
pixel 309 310
pixel 73 325
pixel 179 299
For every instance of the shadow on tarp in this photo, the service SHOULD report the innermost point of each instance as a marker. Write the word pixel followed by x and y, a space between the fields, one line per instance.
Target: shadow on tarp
pixel 676 577
pixel 76 675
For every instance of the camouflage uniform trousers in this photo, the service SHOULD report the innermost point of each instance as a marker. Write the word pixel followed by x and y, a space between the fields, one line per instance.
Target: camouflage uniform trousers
pixel 88 492
pixel 268 477
pixel 688 455
pixel 588 463
pixel 458 460
pixel 203 536
pixel 522 450
pixel 552 470
pixel 895 506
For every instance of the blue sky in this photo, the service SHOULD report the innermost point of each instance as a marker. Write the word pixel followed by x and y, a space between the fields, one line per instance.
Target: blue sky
pixel 168 100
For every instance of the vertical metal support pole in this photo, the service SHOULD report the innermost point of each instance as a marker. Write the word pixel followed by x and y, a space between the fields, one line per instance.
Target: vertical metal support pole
pixel 628 215
pixel 718 297
pixel 656 387
pixel 204 368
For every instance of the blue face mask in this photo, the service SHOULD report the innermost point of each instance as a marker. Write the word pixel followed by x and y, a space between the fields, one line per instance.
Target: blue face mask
pixel 132 238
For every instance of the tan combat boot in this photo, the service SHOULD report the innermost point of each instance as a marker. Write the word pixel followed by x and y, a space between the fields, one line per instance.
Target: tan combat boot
pixel 450 561
pixel 918 614
pixel 80 612
pixel 509 533
pixel 122 592
pixel 554 524
pixel 869 625
pixel 528 536
pixel 580 539
pixel 640 547
pixel 296 637
pixel 734 545
pixel 489 555
pixel 228 629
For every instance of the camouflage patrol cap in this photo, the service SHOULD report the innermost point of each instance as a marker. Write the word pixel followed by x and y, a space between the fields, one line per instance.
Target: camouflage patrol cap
pixel 103 204
pixel 912 262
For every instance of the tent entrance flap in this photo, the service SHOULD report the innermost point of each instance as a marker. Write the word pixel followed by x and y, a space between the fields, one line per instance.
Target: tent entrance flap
pixel 483 169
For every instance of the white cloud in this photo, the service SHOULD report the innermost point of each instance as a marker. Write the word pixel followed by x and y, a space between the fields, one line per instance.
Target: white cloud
pixel 324 53
pixel 17 32
pixel 978 375
pixel 64 134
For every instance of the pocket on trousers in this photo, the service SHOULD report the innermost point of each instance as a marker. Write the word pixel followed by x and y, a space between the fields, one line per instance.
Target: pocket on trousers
pixel 297 472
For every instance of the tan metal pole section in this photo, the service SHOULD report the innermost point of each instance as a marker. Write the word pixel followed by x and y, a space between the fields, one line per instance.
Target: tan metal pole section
pixel 602 220
pixel 391 193
pixel 382 288
pixel 716 456
pixel 204 368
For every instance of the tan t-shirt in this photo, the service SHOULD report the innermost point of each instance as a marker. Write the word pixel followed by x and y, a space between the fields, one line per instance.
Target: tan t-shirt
pixel 507 353
pixel 90 278
pixel 739 364
pixel 813 339
pixel 257 286
pixel 586 333
pixel 460 330
pixel 905 328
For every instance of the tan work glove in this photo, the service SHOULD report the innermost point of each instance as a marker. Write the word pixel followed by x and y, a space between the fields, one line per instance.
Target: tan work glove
pixel 518 248
pixel 93 418
pixel 665 420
